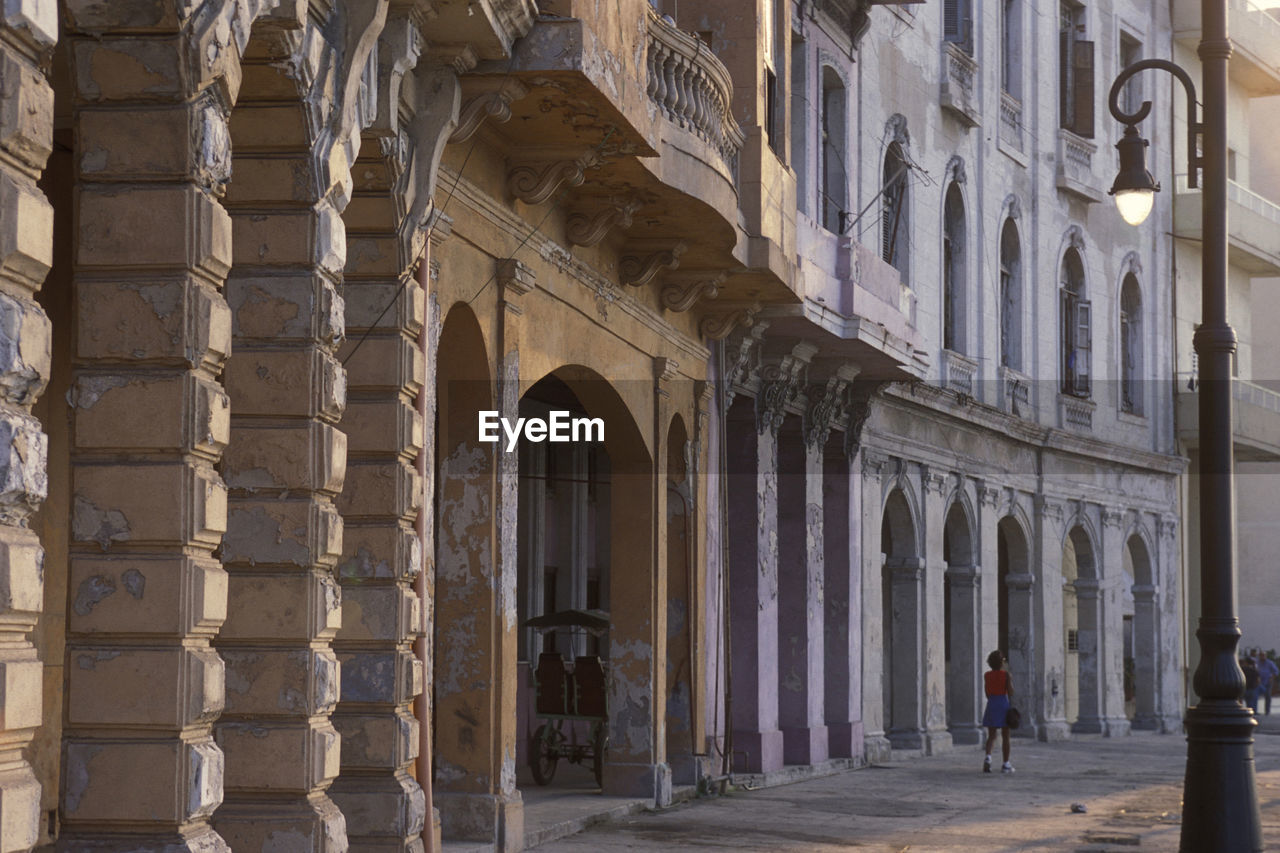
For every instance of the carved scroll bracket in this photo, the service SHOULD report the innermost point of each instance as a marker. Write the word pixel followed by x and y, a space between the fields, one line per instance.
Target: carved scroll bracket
pixel 683 292
pixel 534 183
pixel 638 270
pixel 587 229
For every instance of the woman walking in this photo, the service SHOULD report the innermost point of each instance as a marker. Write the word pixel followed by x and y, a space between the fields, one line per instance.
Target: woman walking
pixel 999 689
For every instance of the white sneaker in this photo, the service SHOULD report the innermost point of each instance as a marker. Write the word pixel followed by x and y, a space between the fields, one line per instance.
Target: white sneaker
pixel 1006 768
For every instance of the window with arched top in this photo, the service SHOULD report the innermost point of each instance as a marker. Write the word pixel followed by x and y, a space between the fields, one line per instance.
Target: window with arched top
pixel 1010 297
pixel 896 219
pixel 1130 346
pixel 953 270
pixel 1076 327
pixel 835 181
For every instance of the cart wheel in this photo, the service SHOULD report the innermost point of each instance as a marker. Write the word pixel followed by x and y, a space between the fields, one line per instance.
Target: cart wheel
pixel 599 742
pixel 542 754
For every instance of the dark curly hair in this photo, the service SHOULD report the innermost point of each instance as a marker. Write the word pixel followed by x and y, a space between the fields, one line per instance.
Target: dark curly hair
pixel 995 659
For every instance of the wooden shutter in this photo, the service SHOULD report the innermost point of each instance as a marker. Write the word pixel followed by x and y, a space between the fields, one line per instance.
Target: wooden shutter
pixel 1064 79
pixel 966 25
pixel 1084 345
pixel 1066 315
pixel 1082 89
pixel 951 20
pixel 1127 365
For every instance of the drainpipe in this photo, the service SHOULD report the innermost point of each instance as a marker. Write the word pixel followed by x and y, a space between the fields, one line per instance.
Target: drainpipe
pixel 421 645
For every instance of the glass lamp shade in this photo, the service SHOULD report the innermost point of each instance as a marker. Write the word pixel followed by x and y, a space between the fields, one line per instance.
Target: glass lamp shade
pixel 1135 205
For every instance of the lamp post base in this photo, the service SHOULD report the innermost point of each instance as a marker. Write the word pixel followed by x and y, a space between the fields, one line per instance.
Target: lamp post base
pixel 1220 798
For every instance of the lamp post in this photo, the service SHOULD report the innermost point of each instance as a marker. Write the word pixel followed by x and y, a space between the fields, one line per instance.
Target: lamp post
pixel 1220 797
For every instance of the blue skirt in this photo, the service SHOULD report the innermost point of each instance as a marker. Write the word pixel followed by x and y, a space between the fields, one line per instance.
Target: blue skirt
pixel 997 707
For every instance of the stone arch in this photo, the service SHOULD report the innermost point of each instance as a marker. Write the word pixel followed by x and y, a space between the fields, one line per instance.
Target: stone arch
pixel 902 600
pixel 1082 624
pixel 962 653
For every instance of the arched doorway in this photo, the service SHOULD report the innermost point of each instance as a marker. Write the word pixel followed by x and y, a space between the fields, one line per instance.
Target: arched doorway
pixel 1014 609
pixel 1141 640
pixel 1080 620
pixel 902 588
pixel 960 627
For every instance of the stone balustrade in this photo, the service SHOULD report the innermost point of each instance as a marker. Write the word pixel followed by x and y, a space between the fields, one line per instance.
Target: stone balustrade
pixel 692 88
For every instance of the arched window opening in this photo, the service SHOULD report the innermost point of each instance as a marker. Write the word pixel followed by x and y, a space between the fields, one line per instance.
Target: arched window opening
pixel 835 181
pixel 1076 329
pixel 1010 297
pixel 895 225
pixel 1130 346
pixel 953 271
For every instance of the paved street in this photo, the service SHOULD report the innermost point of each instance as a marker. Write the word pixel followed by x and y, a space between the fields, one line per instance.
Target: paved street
pixel 1131 788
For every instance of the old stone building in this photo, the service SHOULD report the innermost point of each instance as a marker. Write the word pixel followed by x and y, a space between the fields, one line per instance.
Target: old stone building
pixel 876 367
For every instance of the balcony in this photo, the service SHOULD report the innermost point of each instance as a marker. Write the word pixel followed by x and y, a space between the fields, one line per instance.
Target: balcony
pixel 692 88
pixel 1255 419
pixel 1255 39
pixel 1010 124
pixel 958 373
pixel 959 96
pixel 1253 226
pixel 1075 413
pixel 1015 392
pixel 1075 167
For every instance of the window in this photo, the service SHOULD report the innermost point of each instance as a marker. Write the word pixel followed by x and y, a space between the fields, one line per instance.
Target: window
pixel 1131 52
pixel 1076 334
pixel 1011 55
pixel 1075 72
pixel 896 204
pixel 775 28
pixel 835 180
pixel 1130 346
pixel 1010 297
pixel 953 270
pixel 801 115
pixel 957 24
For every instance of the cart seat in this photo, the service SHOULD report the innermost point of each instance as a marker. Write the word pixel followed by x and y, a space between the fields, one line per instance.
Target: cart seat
pixel 589 675
pixel 552 684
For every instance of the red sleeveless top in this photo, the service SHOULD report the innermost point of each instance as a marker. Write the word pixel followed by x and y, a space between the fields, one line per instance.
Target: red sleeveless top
pixel 996 682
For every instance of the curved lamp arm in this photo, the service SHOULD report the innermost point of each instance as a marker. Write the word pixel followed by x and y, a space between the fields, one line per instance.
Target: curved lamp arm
pixel 1194 126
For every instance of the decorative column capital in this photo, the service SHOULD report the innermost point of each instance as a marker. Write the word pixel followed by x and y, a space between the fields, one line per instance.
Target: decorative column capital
pixel 781 379
pixel 827 403
pixel 739 356
pixel 858 409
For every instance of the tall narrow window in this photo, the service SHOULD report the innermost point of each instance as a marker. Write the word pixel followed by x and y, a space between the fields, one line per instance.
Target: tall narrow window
pixel 1011 53
pixel 953 271
pixel 1010 297
pixel 835 180
pixel 1130 346
pixel 1131 52
pixel 801 115
pixel 1076 327
pixel 774 108
pixel 896 220
pixel 957 23
pixel 1075 72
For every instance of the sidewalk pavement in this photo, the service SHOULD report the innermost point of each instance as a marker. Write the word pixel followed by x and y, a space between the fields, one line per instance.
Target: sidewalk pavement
pixel 1130 786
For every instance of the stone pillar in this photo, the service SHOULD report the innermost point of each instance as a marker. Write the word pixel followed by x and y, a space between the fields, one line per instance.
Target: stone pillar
pixel 1046 645
pixel 932 623
pixel 150 421
pixel 842 604
pixel 383 495
pixel 874 629
pixel 1025 650
pixel 1111 552
pixel 28 31
pixel 1089 607
pixel 988 594
pixel 906 630
pixel 285 465
pixel 753 591
pixel 800 606
pixel 1171 698
pixel 965 694
pixel 1146 656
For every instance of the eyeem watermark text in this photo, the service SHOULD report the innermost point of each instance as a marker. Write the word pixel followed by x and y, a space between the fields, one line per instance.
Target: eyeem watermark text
pixel 558 426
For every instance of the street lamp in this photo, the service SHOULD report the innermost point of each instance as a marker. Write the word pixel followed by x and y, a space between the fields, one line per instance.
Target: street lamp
pixel 1220 796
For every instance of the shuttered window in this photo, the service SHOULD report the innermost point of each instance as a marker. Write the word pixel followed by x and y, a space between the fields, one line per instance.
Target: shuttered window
pixel 1076 328
pixel 957 23
pixel 1075 73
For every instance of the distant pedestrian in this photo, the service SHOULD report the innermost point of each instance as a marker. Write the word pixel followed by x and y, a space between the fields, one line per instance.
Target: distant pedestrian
pixel 1267 672
pixel 999 688
pixel 1251 681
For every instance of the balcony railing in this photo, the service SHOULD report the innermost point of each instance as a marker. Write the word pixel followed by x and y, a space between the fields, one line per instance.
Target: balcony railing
pixel 1075 412
pixel 692 88
pixel 958 372
pixel 1015 392
pixel 959 71
pixel 1246 198
pixel 1253 223
pixel 1011 121
pixel 1256 395
pixel 1075 166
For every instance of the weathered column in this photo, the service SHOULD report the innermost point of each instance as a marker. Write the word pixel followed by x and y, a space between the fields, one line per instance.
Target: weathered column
pixel 988 592
pixel 874 630
pixel 800 607
pixel 1146 657
pixel 965 695
pixel 753 591
pixel 1171 698
pixel 1111 550
pixel 150 421
pixel 906 630
pixel 382 497
pixel 1024 650
pixel 27 33
pixel 285 465
pixel 932 624
pixel 1046 691
pixel 841 601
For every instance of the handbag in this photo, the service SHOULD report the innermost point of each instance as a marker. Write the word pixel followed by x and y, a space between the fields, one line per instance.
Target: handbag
pixel 1013 718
